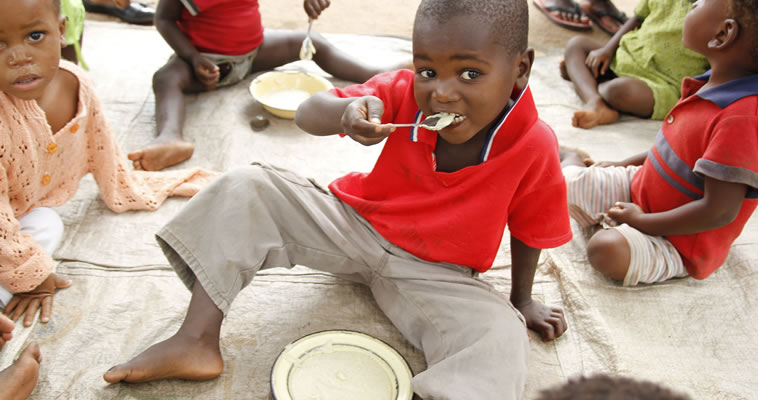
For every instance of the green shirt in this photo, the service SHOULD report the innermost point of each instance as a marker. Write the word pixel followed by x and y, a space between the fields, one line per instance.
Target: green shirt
pixel 655 54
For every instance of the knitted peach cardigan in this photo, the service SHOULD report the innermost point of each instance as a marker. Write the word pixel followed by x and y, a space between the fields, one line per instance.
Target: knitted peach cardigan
pixel 42 168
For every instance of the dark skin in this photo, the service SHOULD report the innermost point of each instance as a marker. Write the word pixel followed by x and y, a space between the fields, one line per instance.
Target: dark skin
pixel 31 37
pixel 609 252
pixel 474 86
pixel 585 62
pixel 453 74
pixel 709 30
pixel 191 72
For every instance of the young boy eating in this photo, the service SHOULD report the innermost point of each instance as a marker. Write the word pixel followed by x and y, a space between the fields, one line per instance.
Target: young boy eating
pixel 681 205
pixel 417 230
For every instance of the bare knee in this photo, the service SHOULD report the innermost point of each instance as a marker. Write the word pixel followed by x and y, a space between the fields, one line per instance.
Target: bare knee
pixel 172 76
pixel 580 45
pixel 628 95
pixel 608 252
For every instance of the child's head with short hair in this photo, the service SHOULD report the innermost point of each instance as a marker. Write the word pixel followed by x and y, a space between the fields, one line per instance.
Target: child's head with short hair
pixel 724 30
pixel 469 56
pixel 31 38
pixel 745 12
pixel 605 387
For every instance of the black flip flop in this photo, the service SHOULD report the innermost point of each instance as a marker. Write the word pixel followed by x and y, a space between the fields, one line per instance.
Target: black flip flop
pixel 136 13
pixel 577 26
pixel 597 18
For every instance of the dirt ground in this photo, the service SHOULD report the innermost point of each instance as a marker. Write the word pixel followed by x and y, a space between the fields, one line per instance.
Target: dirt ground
pixel 395 18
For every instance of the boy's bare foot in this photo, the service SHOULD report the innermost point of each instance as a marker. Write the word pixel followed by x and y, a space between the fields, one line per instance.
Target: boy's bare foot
pixel 590 118
pixel 18 380
pixel 179 356
pixel 574 156
pixel 161 153
pixel 564 71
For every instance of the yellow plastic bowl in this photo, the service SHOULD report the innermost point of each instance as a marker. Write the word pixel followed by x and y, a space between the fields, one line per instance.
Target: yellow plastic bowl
pixel 280 92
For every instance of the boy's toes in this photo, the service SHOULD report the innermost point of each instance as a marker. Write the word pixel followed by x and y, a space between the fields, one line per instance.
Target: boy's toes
pixel 116 374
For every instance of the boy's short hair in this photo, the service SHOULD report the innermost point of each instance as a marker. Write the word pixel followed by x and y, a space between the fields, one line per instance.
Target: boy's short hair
pixel 606 387
pixel 745 12
pixel 57 5
pixel 508 19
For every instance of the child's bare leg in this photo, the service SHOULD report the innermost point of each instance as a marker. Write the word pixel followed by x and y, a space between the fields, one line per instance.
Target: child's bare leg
pixel 282 47
pixel 18 380
pixel 609 253
pixel 598 111
pixel 192 353
pixel 572 156
pixel 628 95
pixel 170 83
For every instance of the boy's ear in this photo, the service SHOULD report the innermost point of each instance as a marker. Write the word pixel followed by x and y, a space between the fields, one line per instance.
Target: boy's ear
pixel 726 35
pixel 526 60
pixel 62 29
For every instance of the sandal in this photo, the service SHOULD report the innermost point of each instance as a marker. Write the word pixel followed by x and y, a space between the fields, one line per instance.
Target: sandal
pixel 136 13
pixel 548 11
pixel 608 20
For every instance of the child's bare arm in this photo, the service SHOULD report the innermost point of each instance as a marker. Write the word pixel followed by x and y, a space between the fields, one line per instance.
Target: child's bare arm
pixel 599 60
pixel 719 206
pixel 166 16
pixel 637 159
pixel 547 321
pixel 358 117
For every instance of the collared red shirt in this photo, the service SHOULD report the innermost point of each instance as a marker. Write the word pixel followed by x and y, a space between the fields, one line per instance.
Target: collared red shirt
pixel 227 27
pixel 712 133
pixel 459 217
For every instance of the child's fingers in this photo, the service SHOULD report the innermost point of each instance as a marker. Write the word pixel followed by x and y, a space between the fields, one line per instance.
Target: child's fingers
pixel 12 306
pixel 31 310
pixel 548 331
pixel 61 283
pixel 47 309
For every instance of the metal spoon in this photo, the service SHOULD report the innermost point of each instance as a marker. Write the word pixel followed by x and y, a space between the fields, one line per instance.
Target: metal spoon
pixel 307 49
pixel 434 122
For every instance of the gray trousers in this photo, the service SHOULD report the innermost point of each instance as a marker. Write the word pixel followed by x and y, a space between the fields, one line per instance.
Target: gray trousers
pixel 258 217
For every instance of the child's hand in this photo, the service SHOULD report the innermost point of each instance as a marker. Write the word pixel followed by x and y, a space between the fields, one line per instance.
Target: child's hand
pixel 6 330
pixel 205 71
pixel 625 213
pixel 547 321
pixel 314 7
pixel 362 118
pixel 598 61
pixel 40 297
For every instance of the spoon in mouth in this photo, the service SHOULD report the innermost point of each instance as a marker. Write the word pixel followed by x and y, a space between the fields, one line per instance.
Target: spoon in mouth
pixel 434 122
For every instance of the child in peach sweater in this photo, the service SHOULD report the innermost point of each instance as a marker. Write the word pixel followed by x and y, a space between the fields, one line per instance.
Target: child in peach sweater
pixel 52 133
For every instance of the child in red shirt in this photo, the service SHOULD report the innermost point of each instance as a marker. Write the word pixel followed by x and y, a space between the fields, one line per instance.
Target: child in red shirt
pixel 417 229
pixel 218 43
pixel 682 204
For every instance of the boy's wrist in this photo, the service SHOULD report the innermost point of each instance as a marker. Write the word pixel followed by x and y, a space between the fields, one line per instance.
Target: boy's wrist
pixel 521 301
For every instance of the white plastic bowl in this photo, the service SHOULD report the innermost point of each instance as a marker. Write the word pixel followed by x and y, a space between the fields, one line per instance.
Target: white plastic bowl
pixel 281 92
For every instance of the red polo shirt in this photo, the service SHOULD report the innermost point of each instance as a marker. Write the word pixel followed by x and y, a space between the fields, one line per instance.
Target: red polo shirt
pixel 228 27
pixel 713 133
pixel 459 217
